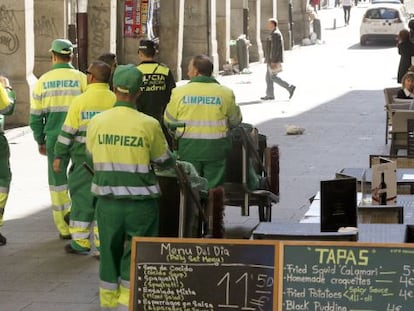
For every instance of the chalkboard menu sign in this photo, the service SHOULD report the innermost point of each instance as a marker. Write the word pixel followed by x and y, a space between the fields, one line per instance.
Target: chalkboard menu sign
pixel 202 274
pixel 347 276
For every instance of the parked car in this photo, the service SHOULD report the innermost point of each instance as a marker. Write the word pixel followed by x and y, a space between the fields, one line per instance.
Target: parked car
pixel 386 1
pixel 383 22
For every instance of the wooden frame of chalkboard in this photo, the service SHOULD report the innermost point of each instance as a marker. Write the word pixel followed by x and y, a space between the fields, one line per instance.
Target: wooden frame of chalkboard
pixel 203 274
pixel 346 276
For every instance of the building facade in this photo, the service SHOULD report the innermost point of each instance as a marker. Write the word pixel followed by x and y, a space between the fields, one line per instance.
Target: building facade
pixel 182 27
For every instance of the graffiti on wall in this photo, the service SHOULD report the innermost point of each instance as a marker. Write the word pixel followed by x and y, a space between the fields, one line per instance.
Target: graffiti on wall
pixel 100 26
pixel 45 27
pixel 9 27
pixel 135 18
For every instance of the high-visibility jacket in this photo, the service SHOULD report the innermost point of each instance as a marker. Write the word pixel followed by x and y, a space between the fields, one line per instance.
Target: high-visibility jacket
pixel 51 98
pixel 7 104
pixel 207 109
pixel 124 143
pixel 72 137
pixel 157 84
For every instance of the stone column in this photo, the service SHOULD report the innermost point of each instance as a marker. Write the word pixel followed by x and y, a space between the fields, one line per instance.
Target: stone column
pixel 223 31
pixel 17 53
pixel 50 22
pixel 256 49
pixel 101 27
pixel 213 35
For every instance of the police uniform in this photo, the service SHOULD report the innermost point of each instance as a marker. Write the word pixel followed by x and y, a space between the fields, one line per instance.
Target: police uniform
pixel 7 104
pixel 123 143
pixel 51 98
pixel 71 141
pixel 207 108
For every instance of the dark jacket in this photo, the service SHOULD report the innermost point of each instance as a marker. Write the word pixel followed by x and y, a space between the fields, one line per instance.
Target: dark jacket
pixel 406 50
pixel 274 47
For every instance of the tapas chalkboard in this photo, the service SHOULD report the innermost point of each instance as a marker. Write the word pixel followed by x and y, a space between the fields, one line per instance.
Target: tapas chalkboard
pixel 202 274
pixel 345 276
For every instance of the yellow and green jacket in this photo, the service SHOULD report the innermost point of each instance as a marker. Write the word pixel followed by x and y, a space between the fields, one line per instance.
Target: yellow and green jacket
pixel 124 143
pixel 72 137
pixel 51 98
pixel 208 109
pixel 7 104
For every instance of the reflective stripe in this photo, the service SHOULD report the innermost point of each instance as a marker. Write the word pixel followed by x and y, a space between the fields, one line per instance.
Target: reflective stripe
pixel 125 284
pixel 36 112
pixel 37 97
pixel 108 286
pixel 64 140
pixel 58 109
pixel 170 117
pixel 60 208
pixel 80 224
pixel 205 135
pixel 163 158
pixel 124 190
pixel 4 190
pixel 68 129
pixel 80 139
pixel 58 188
pixel 83 128
pixel 118 167
pixel 61 92
pixel 211 123
pixel 79 235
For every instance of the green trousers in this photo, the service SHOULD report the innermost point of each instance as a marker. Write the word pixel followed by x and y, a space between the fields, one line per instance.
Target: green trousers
pixel 119 220
pixel 5 174
pixel 82 213
pixel 58 188
pixel 213 171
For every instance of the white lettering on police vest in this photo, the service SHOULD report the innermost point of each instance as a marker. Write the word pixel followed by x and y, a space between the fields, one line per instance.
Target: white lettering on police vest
pixel 201 100
pixel 127 141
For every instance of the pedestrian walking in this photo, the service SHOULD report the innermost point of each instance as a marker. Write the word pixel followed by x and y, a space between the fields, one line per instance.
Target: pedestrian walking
pixel 208 109
pixel 7 105
pixel 274 48
pixel 71 143
pixel 157 84
pixel 346 6
pixel 124 144
pixel 52 95
pixel 406 52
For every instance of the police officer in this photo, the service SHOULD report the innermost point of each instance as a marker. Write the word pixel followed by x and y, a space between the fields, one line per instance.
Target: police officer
pixel 207 109
pixel 157 83
pixel 51 98
pixel 7 104
pixel 71 142
pixel 124 143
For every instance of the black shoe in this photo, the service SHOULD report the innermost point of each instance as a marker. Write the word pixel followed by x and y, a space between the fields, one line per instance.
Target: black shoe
pixel 70 250
pixel 292 89
pixel 65 236
pixel 3 240
pixel 267 97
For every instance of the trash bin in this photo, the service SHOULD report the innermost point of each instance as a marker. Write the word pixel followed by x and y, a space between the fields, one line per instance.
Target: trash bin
pixel 243 52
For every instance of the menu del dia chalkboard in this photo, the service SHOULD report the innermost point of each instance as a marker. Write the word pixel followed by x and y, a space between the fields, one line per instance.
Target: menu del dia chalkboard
pixel 347 276
pixel 202 274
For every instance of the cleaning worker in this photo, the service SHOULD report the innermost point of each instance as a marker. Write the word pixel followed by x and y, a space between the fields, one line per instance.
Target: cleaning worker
pixel 71 142
pixel 7 104
pixel 207 109
pixel 124 144
pixel 52 95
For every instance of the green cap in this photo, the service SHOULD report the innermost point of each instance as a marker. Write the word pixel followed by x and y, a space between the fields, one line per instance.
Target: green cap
pixel 62 46
pixel 127 79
